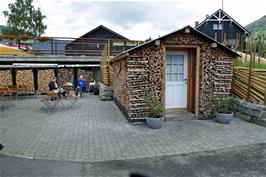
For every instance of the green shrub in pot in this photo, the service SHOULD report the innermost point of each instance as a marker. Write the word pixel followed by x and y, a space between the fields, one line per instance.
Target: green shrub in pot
pixel 156 113
pixel 223 112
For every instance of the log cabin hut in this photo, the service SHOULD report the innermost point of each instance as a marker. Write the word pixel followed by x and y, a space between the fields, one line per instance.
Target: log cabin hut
pixel 183 70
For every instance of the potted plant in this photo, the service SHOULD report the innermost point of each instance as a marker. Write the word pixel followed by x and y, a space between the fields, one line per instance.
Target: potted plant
pixel 8 38
pixel 43 38
pixel 223 112
pixel 156 118
pixel 26 39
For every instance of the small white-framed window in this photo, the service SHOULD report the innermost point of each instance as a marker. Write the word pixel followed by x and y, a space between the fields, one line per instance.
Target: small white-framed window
pixel 217 26
pixel 175 68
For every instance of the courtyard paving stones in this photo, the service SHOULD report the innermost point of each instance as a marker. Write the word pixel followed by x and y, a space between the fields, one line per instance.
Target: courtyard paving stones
pixel 96 131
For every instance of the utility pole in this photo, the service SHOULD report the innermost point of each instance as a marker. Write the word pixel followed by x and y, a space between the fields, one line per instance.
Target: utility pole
pixel 222 31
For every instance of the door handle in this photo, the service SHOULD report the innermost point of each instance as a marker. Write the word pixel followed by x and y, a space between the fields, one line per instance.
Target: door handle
pixel 185 81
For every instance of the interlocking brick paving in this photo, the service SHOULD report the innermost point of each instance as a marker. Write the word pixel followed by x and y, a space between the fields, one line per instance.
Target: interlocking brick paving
pixel 95 131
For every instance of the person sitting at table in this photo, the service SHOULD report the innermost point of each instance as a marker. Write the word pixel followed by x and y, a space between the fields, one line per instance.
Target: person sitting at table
pixel 82 86
pixel 53 87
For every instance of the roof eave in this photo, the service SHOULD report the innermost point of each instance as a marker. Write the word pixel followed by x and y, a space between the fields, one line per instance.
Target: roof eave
pixel 126 53
pixel 119 57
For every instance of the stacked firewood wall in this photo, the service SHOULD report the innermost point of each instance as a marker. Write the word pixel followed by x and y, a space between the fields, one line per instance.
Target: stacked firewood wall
pixel 44 77
pixel 5 78
pixel 65 75
pixel 87 75
pixel 144 77
pixel 223 76
pixel 216 77
pixel 106 75
pixel 25 78
pixel 120 90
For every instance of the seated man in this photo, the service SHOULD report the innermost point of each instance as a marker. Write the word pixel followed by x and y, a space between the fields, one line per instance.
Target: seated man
pixel 82 85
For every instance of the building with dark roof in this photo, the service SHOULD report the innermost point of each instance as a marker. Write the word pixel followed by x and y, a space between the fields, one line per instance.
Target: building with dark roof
pixel 223 28
pixel 94 41
pixel 182 70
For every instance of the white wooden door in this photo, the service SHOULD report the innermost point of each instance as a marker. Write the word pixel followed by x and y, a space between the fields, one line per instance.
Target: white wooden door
pixel 176 80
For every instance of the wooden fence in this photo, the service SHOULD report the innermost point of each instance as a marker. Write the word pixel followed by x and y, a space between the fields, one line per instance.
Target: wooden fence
pixel 250 84
pixel 249 48
pixel 247 56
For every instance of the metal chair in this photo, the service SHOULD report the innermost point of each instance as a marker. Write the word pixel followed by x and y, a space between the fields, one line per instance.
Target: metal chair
pixel 3 98
pixel 12 91
pixel 72 98
pixel 51 100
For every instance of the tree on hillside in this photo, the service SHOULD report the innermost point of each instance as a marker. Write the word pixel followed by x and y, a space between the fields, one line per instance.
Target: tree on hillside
pixel 24 18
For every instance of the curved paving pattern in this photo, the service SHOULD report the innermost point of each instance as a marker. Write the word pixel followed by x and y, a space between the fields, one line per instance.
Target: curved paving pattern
pixel 97 131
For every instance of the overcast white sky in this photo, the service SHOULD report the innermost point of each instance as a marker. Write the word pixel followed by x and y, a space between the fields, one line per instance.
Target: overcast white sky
pixel 136 19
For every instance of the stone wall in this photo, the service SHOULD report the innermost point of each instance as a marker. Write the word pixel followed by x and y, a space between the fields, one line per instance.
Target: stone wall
pixel 251 112
pixel 106 92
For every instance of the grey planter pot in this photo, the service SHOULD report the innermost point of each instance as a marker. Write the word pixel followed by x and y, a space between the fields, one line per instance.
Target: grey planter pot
pixel 155 122
pixel 223 118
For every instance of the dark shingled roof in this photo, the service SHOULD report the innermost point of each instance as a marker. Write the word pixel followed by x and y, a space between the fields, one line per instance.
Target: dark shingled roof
pixel 233 20
pixel 192 30
pixel 105 28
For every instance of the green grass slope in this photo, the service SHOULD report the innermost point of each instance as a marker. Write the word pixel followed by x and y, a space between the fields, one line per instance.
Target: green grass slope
pixel 257 25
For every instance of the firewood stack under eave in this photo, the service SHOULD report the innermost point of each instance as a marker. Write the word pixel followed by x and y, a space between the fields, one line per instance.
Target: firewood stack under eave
pixel 106 74
pixel 223 77
pixel 25 78
pixel 65 75
pixel 5 78
pixel 44 77
pixel 216 78
pixel 138 83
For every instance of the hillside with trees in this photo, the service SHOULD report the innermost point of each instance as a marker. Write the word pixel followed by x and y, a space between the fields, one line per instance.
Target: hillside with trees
pixel 258 29
pixel 257 25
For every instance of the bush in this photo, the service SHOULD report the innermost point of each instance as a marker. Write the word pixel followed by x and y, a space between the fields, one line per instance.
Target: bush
pixel 222 105
pixel 155 108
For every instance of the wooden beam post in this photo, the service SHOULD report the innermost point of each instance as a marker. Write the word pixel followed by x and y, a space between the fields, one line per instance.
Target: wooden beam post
pixel 164 79
pixel 14 73
pixel 197 86
pixel 250 73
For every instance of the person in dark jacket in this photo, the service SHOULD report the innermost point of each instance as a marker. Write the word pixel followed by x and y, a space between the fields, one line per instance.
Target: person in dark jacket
pixel 82 85
pixel 53 85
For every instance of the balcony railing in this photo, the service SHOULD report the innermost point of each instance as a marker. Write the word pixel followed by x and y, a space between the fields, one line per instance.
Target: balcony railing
pixel 70 46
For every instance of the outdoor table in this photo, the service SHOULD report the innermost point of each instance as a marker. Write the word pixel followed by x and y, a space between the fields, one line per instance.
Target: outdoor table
pixel 68 87
pixel 52 100
pixel 12 90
